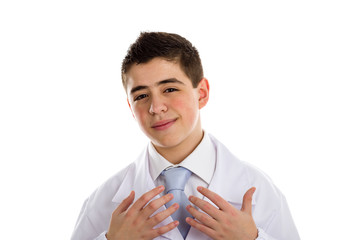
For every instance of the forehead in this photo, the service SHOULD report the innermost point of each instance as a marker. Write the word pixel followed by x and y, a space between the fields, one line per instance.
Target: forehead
pixel 150 73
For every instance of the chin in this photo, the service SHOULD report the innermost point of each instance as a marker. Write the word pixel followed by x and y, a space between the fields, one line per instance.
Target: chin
pixel 166 141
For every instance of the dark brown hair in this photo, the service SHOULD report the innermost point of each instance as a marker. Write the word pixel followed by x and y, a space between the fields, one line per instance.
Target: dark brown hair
pixel 169 46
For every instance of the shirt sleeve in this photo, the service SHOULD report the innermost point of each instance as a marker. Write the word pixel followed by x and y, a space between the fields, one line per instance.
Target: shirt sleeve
pixel 84 229
pixel 281 226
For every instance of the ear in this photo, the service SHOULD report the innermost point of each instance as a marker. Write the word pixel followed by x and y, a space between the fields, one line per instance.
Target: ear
pixel 130 108
pixel 203 90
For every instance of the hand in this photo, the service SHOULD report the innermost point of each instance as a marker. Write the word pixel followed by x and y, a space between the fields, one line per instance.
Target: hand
pixel 135 222
pixel 227 222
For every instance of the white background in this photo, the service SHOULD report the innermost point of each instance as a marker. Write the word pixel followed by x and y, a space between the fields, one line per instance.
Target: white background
pixel 284 78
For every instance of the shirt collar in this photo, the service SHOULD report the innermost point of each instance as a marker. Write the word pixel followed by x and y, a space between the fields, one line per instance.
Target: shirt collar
pixel 200 162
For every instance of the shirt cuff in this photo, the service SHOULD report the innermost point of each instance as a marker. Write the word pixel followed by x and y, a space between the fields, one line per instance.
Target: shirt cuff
pixel 101 236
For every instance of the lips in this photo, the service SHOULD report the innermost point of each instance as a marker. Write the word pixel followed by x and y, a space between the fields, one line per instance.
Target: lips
pixel 164 124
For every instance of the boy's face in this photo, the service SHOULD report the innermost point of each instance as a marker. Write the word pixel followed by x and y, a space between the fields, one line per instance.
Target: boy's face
pixel 165 104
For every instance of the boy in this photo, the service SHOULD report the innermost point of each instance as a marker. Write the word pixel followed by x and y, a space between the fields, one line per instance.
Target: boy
pixel 209 193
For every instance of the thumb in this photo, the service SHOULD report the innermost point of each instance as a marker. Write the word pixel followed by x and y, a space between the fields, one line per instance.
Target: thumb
pixel 125 204
pixel 247 200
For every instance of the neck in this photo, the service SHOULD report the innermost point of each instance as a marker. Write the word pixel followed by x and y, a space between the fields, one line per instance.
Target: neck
pixel 178 153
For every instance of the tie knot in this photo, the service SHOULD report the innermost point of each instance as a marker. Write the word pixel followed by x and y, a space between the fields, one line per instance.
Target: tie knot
pixel 176 178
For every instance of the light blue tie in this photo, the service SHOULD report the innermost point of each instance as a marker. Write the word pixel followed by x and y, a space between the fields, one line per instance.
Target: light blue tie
pixel 175 180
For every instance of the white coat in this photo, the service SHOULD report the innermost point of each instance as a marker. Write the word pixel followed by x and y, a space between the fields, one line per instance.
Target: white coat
pixel 232 178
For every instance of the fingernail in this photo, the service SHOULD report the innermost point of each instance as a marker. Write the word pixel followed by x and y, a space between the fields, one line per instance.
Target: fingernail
pixel 191 198
pixel 161 187
pixel 200 188
pixel 176 206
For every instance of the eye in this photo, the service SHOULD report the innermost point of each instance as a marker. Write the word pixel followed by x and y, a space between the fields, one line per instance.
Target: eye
pixel 140 97
pixel 170 90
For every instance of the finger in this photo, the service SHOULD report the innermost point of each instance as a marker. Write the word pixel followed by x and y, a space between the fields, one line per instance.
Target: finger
pixel 125 204
pixel 164 229
pixel 202 217
pixel 156 204
pixel 159 217
pixel 206 207
pixel 247 201
pixel 215 198
pixel 201 227
pixel 146 197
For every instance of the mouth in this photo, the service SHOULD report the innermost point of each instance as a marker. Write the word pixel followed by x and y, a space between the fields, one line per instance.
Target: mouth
pixel 164 124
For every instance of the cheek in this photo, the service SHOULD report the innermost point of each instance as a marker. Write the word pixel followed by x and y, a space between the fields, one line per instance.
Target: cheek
pixel 140 115
pixel 188 109
pixel 178 104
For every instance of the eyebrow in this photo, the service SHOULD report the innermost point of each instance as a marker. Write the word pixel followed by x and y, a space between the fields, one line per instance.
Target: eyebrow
pixel 170 80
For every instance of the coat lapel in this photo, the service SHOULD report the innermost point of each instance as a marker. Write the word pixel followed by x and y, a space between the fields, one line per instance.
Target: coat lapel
pixel 230 178
pixel 138 178
pixel 229 184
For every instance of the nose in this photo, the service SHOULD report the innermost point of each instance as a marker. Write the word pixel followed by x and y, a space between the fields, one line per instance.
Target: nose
pixel 157 105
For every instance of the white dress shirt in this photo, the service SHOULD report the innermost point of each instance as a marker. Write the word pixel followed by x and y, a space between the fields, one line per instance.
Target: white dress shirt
pixel 201 162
